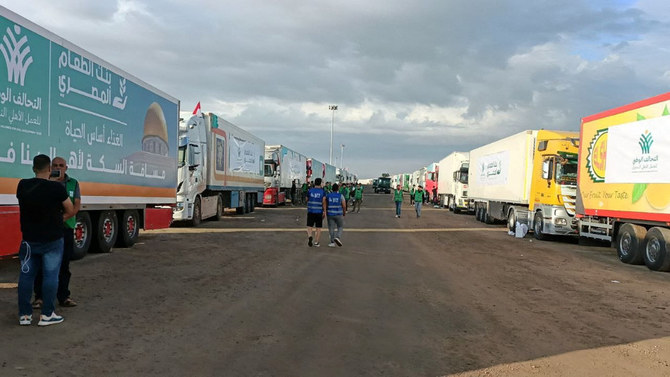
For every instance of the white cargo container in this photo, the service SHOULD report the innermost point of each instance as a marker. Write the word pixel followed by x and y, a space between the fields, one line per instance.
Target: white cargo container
pixel 452 182
pixel 220 166
pixel 283 166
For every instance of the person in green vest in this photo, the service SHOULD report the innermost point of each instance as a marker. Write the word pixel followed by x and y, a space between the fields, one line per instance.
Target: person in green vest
pixel 418 200
pixel 358 198
pixel 344 190
pixel 397 198
pixel 59 166
pixel 304 189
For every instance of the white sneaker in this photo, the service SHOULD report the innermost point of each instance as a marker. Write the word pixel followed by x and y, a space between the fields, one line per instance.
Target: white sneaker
pixel 316 244
pixel 332 244
pixel 26 320
pixel 50 320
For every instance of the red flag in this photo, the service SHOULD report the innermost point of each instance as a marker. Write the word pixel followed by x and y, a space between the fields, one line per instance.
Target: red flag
pixel 197 110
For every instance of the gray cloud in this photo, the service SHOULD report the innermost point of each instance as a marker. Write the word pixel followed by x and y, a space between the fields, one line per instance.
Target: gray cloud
pixel 414 81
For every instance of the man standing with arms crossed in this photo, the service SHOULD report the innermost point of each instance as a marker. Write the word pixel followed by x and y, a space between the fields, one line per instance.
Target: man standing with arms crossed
pixel 43 206
pixel 72 187
pixel 315 213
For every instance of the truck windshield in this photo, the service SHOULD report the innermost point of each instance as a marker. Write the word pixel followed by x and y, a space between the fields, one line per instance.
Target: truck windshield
pixel 181 155
pixel 269 170
pixel 566 173
pixel 384 182
pixel 463 177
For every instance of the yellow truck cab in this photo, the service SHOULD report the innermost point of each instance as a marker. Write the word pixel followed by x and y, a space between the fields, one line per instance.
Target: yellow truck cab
pixel 527 178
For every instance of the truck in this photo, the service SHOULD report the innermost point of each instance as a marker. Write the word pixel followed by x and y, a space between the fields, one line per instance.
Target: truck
pixel 383 185
pixel 431 178
pixel 220 166
pixel 117 133
pixel 317 169
pixel 283 166
pixel 452 182
pixel 624 181
pixel 527 178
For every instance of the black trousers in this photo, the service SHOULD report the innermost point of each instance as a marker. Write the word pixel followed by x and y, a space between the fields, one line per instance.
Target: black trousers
pixel 64 274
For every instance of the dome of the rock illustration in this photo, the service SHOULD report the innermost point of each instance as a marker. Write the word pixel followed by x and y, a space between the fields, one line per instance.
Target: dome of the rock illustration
pixel 155 138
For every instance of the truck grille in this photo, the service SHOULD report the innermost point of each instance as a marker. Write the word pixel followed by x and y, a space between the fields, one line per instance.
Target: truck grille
pixel 569 197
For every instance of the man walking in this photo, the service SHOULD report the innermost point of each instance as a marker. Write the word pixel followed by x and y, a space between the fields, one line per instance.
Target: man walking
pixel 418 200
pixel 43 206
pixel 315 213
pixel 397 197
pixel 59 165
pixel 336 208
pixel 358 198
pixel 411 195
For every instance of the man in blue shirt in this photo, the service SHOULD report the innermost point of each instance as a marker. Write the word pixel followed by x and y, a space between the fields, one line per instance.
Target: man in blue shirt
pixel 315 213
pixel 336 207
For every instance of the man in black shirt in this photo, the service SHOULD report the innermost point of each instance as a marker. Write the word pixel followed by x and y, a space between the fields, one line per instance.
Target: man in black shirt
pixel 44 205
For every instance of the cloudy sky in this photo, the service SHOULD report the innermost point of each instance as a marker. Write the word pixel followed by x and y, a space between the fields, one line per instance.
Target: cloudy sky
pixel 413 80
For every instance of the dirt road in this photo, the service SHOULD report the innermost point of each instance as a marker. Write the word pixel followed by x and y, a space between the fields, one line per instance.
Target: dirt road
pixel 433 296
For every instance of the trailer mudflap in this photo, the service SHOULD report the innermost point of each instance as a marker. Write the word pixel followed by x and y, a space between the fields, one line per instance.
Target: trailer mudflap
pixel 11 230
pixel 157 218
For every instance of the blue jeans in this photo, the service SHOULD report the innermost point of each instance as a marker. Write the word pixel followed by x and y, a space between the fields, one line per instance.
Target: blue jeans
pixel 32 255
pixel 398 205
pixel 417 207
pixel 335 224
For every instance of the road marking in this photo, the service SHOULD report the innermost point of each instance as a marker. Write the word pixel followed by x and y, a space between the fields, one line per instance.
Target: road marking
pixel 8 285
pixel 302 229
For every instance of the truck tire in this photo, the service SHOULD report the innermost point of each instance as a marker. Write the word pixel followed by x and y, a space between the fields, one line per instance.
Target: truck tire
pixel 129 228
pixel 106 231
pixel 83 233
pixel 538 226
pixel 629 243
pixel 478 213
pixel 252 203
pixel 511 220
pixel 197 213
pixel 219 208
pixel 487 218
pixel 450 205
pixel 456 210
pixel 656 249
pixel 247 203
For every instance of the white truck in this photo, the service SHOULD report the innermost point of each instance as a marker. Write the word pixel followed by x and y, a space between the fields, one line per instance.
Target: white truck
pixel 452 182
pixel 283 166
pixel 220 166
pixel 317 169
pixel 528 178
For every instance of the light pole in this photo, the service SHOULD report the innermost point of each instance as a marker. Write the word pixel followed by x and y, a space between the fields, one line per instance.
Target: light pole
pixel 332 124
pixel 341 156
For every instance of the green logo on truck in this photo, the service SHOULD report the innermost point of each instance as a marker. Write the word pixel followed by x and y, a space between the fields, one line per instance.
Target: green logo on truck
pixel 646 140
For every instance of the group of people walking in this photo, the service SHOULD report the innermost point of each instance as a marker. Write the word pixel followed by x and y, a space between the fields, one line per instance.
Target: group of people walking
pixel 416 196
pixel 330 202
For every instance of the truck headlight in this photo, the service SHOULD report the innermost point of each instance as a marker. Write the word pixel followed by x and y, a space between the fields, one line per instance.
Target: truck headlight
pixel 180 206
pixel 561 221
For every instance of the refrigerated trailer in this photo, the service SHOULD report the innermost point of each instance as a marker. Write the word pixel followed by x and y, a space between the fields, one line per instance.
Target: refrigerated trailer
pixel 452 185
pixel 220 166
pixel 528 178
pixel 283 166
pixel 117 133
pixel 624 181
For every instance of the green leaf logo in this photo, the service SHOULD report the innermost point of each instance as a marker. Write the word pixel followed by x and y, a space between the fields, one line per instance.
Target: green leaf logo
pixel 638 191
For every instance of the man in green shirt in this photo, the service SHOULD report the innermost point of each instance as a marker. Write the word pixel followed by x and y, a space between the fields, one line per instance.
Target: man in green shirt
pixel 397 197
pixel 358 198
pixel 418 200
pixel 344 190
pixel 411 194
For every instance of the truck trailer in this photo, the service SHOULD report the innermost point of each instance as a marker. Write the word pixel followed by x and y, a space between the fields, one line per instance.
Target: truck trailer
pixel 220 166
pixel 452 182
pixel 624 181
pixel 528 178
pixel 283 166
pixel 117 133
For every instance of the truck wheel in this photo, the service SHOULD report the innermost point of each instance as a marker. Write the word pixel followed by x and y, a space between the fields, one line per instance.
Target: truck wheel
pixel 630 242
pixel 197 213
pixel 456 210
pixel 511 220
pixel 82 235
pixel 656 249
pixel 538 226
pixel 106 231
pixel 129 228
pixel 478 214
pixel 252 203
pixel 219 208
pixel 450 205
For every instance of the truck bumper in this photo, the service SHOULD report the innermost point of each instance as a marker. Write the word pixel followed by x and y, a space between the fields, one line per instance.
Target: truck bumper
pixel 183 211
pixel 560 223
